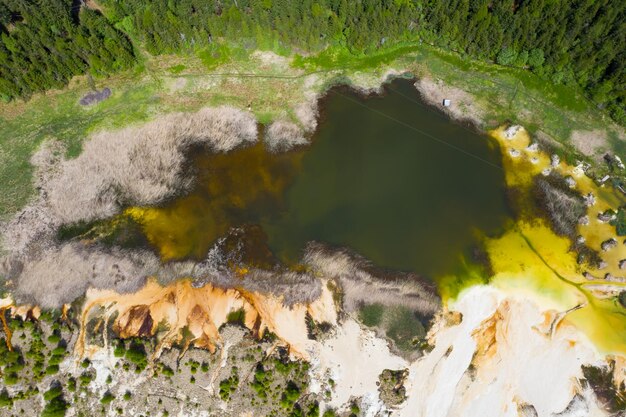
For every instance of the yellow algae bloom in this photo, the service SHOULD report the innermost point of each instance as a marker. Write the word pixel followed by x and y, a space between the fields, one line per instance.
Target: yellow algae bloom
pixel 532 260
pixel 228 185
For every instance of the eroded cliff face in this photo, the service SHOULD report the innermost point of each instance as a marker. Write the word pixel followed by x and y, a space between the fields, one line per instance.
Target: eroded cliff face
pixel 185 315
pixel 493 352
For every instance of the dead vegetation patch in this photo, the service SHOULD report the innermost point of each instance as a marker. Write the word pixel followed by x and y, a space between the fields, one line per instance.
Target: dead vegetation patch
pixel 463 106
pixel 561 205
pixel 590 142
pixel 141 166
pixel 361 283
pixel 283 135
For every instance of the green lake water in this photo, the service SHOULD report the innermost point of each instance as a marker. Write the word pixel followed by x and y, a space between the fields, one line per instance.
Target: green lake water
pixel 386 176
pixel 395 181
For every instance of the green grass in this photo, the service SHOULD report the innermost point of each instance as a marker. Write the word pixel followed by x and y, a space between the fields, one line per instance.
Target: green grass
pixel 339 57
pixel 371 314
pixel 177 69
pixel 560 95
pixel 405 329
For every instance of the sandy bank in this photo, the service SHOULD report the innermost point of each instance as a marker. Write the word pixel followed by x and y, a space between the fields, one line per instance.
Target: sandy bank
pixel 500 359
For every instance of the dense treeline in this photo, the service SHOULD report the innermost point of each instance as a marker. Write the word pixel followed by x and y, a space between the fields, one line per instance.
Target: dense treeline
pixel 170 26
pixel 565 41
pixel 44 43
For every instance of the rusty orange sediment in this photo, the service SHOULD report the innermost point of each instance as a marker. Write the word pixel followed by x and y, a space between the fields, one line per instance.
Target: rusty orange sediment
pixel 184 315
pixel 5 328
pixel 24 312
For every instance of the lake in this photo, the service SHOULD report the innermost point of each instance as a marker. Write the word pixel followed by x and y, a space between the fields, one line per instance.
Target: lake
pixel 387 176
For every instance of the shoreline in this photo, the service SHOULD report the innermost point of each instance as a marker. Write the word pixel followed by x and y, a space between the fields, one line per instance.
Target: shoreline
pixel 378 89
pixel 138 98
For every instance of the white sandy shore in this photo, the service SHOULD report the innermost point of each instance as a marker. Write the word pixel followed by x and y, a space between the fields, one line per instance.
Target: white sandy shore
pixel 498 360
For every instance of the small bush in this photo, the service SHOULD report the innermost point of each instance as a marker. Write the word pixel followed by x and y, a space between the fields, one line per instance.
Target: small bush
pixel 55 404
pixel 261 382
pixel 71 384
pixel 228 386
pixel 290 395
pixel 85 379
pixel 11 378
pixel 107 398
pixel 55 408
pixel 5 399
pixel 119 350
pixel 52 369
pixel 136 354
pixel 167 371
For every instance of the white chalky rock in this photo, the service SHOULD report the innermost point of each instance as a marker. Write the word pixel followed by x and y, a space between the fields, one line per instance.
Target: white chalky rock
pixel 590 199
pixel 533 147
pixel 511 131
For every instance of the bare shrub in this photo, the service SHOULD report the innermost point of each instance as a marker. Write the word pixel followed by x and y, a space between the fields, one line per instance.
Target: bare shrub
pixel 283 135
pixel 139 165
pixel 62 274
pixel 294 287
pixel 562 206
pixel 307 113
pixel 31 231
pixel 361 283
pixel 144 165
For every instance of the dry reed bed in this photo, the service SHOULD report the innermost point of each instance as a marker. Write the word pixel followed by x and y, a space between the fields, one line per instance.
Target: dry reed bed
pixel 142 165
pixel 147 165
